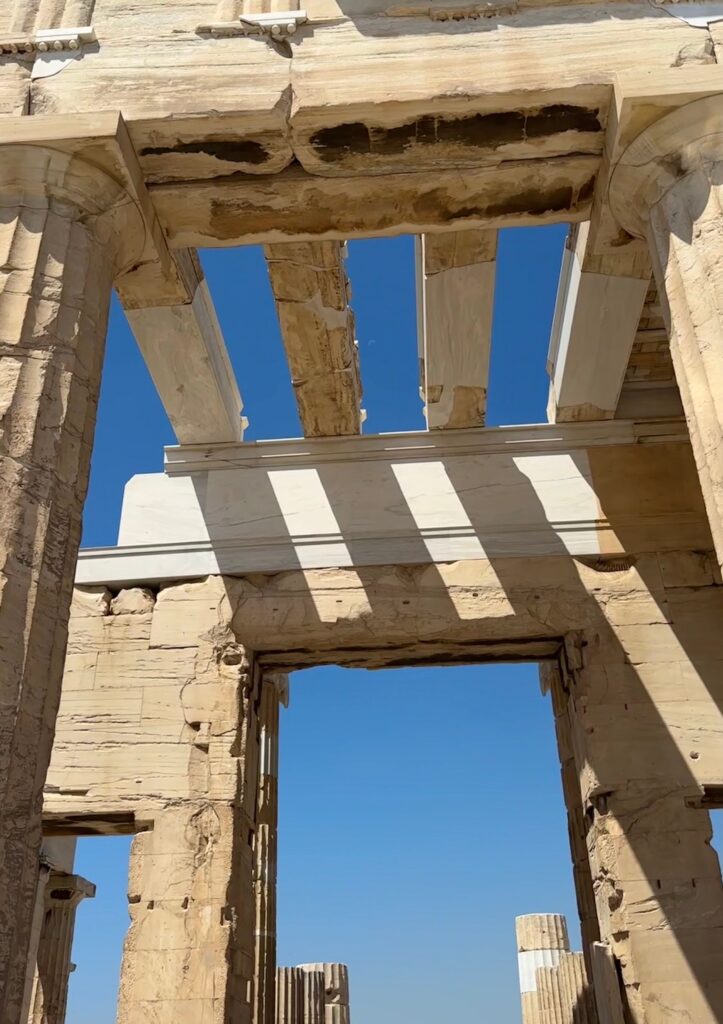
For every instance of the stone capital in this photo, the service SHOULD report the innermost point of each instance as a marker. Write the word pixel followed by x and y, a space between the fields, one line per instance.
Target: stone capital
pixel 66 891
pixel 684 142
pixel 36 175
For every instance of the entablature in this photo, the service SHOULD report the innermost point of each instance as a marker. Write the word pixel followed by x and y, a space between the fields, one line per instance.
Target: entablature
pixel 587 489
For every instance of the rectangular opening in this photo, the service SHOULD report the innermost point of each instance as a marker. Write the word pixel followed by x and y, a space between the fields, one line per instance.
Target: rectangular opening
pixel 415 825
pixel 100 929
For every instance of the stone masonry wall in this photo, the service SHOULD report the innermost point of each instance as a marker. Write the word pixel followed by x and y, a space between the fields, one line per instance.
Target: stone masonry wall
pixel 158 733
pixel 158 724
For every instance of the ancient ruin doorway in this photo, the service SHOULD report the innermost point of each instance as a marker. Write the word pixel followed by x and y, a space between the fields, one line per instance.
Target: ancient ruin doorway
pixel 420 811
pixel 100 929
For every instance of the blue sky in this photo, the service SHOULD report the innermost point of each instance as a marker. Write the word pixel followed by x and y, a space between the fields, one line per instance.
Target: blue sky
pixel 420 810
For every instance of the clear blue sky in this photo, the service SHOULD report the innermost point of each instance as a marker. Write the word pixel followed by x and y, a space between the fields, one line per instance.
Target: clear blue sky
pixel 420 810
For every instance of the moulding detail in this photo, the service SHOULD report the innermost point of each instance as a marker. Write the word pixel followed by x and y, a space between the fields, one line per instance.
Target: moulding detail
pixel 276 25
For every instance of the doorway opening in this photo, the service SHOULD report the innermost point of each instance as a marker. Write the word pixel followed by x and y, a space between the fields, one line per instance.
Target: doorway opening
pixel 100 929
pixel 421 811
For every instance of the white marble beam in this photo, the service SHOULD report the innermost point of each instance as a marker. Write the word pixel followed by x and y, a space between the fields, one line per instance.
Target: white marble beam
pixel 599 303
pixel 184 349
pixel 317 324
pixel 455 297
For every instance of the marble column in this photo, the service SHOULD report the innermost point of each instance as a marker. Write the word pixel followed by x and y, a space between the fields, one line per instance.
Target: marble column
pixel 274 688
pixel 66 228
pixel 564 993
pixel 300 996
pixel 63 894
pixel 541 941
pixel 313 1009
pixel 336 990
pixel 289 995
pixel 668 187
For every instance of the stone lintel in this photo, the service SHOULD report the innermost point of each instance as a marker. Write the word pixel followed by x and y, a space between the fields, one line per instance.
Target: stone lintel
pixel 585 489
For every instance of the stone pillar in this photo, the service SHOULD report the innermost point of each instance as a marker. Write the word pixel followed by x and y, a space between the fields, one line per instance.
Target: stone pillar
pixel 188 956
pixel 63 894
pixel 564 994
pixel 551 677
pixel 541 941
pixel 66 229
pixel 645 723
pixel 668 188
pixel 289 995
pixel 273 689
pixel 336 990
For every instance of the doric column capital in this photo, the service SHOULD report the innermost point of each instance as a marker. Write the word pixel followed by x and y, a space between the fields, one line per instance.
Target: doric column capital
pixel 688 140
pixel 33 175
pixel 66 891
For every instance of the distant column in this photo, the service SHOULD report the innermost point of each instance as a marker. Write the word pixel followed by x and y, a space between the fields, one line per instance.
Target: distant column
pixel 541 941
pixel 63 894
pixel 564 994
pixel 336 991
pixel 314 998
pixel 289 995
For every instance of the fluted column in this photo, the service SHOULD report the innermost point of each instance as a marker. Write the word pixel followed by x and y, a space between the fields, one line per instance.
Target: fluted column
pixel 313 998
pixel 541 941
pixel 564 993
pixel 63 895
pixel 273 689
pixel 336 990
pixel 668 188
pixel 66 229
pixel 289 995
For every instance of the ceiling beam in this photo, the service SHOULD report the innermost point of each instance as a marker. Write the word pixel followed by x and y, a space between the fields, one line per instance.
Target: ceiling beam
pixel 295 206
pixel 311 289
pixel 186 356
pixel 600 300
pixel 455 297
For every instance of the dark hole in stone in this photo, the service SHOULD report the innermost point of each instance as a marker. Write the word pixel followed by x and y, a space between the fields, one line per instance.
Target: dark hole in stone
pixel 61 894
pixel 233 151
pixel 483 131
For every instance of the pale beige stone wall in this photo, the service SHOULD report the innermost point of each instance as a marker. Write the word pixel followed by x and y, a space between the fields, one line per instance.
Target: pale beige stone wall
pixel 156 723
pixel 159 733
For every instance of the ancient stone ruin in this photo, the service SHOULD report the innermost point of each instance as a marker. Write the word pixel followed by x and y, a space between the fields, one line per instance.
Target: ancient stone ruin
pixel 141 683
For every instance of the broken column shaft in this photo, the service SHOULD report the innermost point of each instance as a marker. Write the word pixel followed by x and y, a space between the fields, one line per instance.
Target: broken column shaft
pixel 541 941
pixel 336 990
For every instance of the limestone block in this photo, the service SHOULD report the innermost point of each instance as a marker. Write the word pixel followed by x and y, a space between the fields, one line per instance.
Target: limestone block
pixel 123 668
pixel 688 568
pixel 637 608
pixel 85 718
pixel 79 672
pixel 110 633
pixel 187 612
pixel 134 601
pixel 90 601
